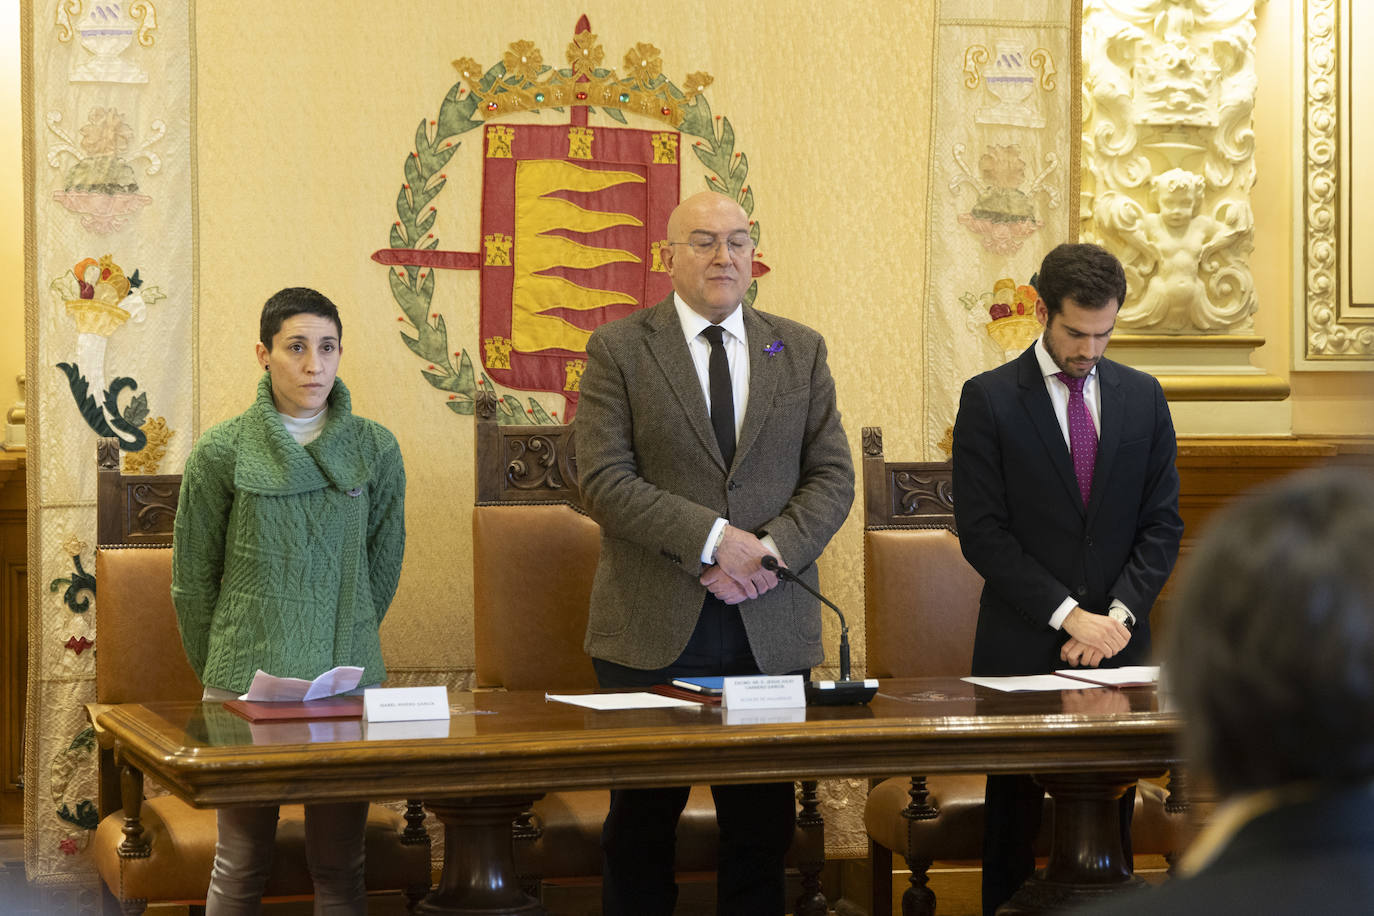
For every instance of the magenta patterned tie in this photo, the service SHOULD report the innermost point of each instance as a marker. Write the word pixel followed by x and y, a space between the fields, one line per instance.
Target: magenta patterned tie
pixel 1082 434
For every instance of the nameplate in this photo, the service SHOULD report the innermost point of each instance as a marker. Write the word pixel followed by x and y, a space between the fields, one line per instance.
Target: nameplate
pixel 405 704
pixel 764 691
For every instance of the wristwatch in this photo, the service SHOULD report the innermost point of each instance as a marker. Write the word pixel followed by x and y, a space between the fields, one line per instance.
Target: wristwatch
pixel 1121 617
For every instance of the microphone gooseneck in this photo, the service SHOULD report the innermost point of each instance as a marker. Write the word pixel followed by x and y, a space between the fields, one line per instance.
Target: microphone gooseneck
pixel 770 563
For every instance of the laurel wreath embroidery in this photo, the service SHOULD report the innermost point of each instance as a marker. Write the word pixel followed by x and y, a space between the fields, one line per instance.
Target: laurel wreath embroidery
pixel 435 143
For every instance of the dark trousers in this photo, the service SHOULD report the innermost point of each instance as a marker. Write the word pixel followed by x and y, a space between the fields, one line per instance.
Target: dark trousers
pixel 756 822
pixel 1012 806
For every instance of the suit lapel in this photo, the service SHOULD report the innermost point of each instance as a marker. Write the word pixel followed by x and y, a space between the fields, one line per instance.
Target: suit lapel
pixel 764 372
pixel 669 348
pixel 1036 401
pixel 1112 418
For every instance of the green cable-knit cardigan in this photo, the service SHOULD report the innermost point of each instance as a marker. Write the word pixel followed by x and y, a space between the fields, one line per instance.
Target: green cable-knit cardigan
pixel 286 557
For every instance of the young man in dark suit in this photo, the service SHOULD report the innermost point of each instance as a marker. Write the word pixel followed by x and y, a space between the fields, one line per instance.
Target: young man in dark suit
pixel 707 438
pixel 1066 499
pixel 1271 661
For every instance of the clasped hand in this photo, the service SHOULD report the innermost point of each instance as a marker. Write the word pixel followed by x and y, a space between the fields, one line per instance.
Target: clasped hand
pixel 737 574
pixel 1092 638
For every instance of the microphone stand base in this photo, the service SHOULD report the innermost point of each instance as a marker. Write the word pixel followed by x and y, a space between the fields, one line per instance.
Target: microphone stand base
pixel 840 693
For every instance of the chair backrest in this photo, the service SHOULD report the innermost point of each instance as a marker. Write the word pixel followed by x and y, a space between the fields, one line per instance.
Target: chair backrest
pixel 534 554
pixel 138 653
pixel 920 594
pixel 133 508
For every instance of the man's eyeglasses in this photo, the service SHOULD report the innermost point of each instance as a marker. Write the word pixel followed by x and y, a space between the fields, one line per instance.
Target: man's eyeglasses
pixel 704 244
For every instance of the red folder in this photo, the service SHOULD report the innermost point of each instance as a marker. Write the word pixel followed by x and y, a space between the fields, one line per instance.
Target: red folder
pixel 327 708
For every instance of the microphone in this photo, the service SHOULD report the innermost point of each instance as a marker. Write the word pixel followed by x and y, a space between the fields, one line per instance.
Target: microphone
pixel 844 692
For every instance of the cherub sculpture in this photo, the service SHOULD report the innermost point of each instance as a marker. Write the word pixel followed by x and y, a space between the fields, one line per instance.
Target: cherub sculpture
pixel 1185 269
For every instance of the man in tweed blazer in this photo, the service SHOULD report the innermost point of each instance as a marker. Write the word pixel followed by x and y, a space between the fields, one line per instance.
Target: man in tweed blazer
pixel 679 589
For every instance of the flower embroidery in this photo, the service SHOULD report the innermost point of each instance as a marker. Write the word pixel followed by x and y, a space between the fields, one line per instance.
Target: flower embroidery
pixel 584 54
pixel 644 62
pixel 469 69
pixel 523 59
pixel 696 84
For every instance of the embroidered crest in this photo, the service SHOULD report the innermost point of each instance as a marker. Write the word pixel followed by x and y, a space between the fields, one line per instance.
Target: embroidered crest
pixel 567 212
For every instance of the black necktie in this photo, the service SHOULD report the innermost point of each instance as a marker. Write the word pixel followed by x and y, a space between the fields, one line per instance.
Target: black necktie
pixel 722 395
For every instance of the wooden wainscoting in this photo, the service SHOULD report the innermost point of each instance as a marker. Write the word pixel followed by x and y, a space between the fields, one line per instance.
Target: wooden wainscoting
pixel 1214 471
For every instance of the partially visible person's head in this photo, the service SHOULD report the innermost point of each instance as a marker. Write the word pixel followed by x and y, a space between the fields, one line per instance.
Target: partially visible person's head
pixel 300 346
pixel 295 300
pixel 1081 288
pixel 710 255
pixel 1271 654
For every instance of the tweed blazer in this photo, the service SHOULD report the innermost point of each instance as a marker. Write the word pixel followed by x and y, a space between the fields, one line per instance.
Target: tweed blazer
pixel 653 478
pixel 1022 523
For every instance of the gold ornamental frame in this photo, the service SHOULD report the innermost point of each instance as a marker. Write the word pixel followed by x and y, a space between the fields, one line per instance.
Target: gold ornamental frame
pixel 1331 330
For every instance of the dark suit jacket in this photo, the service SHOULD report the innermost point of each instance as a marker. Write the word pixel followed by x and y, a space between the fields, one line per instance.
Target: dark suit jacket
pixel 1300 859
pixel 652 476
pixel 1022 523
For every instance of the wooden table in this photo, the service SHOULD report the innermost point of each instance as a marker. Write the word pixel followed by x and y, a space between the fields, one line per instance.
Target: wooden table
pixel 500 752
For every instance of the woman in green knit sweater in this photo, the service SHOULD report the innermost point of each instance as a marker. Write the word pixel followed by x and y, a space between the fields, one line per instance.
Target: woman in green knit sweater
pixel 289 536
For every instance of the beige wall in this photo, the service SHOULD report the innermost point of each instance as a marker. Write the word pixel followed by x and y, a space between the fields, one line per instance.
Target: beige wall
pixel 11 211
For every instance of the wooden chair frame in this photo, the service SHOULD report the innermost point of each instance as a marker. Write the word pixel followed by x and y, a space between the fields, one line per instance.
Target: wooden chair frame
pixel 904 494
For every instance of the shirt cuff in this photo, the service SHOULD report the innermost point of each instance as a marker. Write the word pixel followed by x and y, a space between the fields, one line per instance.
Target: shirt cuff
pixel 1116 602
pixel 708 550
pixel 1057 618
pixel 772 547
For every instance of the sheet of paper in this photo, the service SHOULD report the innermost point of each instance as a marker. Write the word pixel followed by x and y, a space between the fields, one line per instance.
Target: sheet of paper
pixel 1131 674
pixel 1026 682
pixel 269 688
pixel 619 700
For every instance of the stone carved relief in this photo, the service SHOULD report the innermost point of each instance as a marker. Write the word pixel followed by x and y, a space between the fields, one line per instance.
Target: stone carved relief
pixel 1168 157
pixel 1186 269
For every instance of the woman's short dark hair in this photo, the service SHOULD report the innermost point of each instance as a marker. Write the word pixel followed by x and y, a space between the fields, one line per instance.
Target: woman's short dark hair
pixel 1090 275
pixel 1271 652
pixel 294 300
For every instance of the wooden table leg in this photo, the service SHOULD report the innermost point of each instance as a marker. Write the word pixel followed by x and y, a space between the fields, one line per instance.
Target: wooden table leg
pixel 478 877
pixel 1086 859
